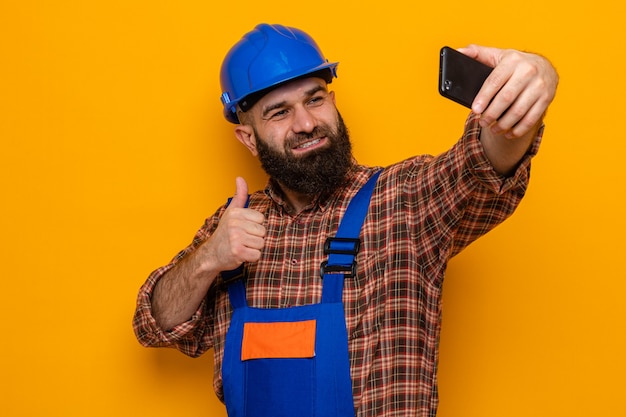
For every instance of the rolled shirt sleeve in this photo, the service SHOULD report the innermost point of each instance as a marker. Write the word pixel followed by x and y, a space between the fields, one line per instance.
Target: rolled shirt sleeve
pixel 192 337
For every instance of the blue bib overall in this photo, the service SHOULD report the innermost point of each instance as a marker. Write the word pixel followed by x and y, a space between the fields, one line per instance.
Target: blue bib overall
pixel 294 362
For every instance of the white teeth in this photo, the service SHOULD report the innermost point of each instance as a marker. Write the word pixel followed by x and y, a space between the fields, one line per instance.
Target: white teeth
pixel 308 144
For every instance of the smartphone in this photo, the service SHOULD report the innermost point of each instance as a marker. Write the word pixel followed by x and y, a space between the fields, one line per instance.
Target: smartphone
pixel 460 77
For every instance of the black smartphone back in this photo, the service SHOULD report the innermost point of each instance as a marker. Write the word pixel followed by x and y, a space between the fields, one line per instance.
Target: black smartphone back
pixel 460 77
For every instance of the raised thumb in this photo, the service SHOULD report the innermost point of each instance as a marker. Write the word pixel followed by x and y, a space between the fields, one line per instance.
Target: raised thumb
pixel 240 198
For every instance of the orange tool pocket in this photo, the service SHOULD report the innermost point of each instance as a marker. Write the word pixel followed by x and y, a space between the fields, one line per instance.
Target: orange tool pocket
pixel 278 340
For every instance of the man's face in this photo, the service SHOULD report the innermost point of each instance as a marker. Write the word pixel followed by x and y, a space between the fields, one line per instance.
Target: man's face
pixel 300 138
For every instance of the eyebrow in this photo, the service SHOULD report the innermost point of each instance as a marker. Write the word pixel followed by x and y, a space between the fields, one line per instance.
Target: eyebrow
pixel 309 93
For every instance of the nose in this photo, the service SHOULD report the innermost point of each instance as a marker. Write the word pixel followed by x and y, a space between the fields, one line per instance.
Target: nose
pixel 303 121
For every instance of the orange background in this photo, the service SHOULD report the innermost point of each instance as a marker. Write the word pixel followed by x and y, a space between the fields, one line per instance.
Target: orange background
pixel 114 151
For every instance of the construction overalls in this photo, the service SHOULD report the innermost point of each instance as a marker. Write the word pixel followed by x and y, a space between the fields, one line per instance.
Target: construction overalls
pixel 294 362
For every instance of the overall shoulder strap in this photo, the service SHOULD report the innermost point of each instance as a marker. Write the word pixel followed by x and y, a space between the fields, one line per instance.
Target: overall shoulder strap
pixel 342 248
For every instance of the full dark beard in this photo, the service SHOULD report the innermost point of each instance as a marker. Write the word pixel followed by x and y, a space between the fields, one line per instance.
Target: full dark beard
pixel 318 172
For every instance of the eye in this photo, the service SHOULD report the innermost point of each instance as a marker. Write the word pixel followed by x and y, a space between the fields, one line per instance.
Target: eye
pixel 279 114
pixel 317 100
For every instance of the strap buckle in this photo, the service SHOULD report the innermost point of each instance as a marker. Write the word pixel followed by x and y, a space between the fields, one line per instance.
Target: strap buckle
pixel 342 246
pixel 348 271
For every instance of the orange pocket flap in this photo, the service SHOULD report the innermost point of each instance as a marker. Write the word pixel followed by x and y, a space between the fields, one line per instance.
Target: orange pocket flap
pixel 278 340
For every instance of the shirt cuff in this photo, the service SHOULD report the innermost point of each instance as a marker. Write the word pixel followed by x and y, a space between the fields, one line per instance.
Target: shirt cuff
pixel 481 167
pixel 148 332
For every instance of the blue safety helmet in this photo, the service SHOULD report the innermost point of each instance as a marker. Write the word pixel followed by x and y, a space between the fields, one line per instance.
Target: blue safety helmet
pixel 267 56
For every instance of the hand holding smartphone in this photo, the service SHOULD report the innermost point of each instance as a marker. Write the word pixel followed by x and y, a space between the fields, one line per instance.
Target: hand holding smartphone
pixel 460 77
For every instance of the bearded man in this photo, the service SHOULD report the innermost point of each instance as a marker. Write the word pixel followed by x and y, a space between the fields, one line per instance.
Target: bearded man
pixel 314 306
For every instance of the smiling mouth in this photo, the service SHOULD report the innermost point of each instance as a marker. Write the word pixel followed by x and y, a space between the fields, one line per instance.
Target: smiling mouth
pixel 308 144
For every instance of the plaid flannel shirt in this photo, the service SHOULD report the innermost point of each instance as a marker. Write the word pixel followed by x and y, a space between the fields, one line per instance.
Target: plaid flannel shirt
pixel 424 210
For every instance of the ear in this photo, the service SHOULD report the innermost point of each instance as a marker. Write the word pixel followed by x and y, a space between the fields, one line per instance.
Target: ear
pixel 332 96
pixel 245 135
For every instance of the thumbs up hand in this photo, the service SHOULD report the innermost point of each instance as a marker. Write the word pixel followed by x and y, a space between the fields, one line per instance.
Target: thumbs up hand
pixel 240 198
pixel 239 237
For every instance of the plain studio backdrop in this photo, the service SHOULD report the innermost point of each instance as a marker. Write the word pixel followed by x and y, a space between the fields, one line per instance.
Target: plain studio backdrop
pixel 114 150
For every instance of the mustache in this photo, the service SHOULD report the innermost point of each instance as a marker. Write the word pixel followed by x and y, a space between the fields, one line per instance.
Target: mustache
pixel 300 138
